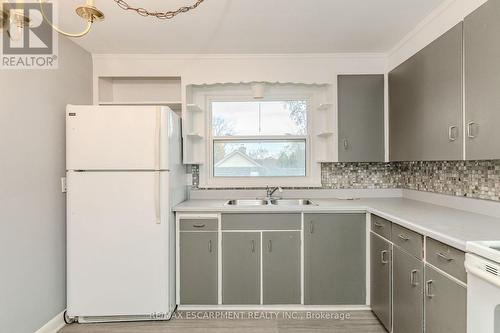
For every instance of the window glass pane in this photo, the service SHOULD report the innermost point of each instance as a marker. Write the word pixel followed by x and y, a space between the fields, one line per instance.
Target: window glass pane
pixel 235 118
pixel 284 118
pixel 277 158
pixel 259 118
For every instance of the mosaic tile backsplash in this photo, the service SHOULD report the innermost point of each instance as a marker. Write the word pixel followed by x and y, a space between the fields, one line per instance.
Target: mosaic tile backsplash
pixel 472 179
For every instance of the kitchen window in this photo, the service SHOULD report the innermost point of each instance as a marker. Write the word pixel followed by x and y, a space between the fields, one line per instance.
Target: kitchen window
pixel 254 142
pixel 259 138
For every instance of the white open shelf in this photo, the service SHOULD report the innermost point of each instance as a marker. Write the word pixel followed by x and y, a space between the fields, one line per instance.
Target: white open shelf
pixel 325 140
pixel 193 119
pixel 131 90
pixel 195 136
pixel 325 106
pixel 194 108
pixel 175 106
pixel 325 134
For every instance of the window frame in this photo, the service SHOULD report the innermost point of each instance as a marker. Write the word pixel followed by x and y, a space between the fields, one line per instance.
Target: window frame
pixel 313 169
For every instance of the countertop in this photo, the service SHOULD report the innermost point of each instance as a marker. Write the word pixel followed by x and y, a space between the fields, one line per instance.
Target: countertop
pixel 453 227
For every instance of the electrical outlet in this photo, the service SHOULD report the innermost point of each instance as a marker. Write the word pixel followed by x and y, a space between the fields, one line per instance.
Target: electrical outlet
pixel 63 185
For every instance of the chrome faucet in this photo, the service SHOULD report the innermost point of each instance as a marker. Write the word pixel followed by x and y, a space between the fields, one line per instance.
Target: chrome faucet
pixel 271 191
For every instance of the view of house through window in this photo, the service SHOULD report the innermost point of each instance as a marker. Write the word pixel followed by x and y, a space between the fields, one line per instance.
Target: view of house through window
pixel 259 139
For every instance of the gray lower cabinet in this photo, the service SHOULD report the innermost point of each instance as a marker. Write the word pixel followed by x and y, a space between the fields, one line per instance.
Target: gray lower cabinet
pixel 408 297
pixel 361 118
pixel 381 281
pixel 482 79
pixel 281 267
pixel 445 303
pixel 335 259
pixel 198 268
pixel 241 268
pixel 426 101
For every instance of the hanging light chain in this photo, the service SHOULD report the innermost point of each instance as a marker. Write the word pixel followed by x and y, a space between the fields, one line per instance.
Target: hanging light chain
pixel 160 15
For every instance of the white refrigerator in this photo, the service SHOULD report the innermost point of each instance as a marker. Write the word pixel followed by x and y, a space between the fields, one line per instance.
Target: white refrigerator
pixel 124 174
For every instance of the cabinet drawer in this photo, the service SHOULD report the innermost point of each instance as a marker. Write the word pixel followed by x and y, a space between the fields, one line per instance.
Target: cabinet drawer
pixel 261 221
pixel 446 258
pixel 198 224
pixel 381 226
pixel 408 240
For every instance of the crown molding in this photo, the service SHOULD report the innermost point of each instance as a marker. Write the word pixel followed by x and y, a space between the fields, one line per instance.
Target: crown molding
pixel 98 56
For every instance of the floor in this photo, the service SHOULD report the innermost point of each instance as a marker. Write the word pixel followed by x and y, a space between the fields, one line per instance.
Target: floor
pixel 268 322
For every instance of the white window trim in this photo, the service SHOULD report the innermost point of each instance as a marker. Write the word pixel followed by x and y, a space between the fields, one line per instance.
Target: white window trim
pixel 313 169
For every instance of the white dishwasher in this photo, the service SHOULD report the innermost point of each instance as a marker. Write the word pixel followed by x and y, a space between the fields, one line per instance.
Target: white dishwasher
pixel 483 287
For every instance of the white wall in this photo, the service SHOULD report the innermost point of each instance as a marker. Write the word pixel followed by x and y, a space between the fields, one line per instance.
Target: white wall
pixel 211 69
pixel 32 207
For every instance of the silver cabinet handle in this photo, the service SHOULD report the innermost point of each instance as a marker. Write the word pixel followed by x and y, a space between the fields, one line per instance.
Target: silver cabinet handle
pixel 311 227
pixel 470 133
pixel 403 237
pixel 444 256
pixel 270 246
pixel 383 258
pixel 413 278
pixel 428 290
pixel 210 246
pixel 199 225
pixel 451 136
pixel 346 144
pixel 378 225
pixel 253 246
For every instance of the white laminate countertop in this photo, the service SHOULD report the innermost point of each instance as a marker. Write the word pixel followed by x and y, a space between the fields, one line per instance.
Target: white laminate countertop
pixel 453 227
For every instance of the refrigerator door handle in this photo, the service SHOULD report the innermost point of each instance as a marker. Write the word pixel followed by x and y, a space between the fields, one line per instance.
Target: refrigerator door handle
pixel 157 138
pixel 157 198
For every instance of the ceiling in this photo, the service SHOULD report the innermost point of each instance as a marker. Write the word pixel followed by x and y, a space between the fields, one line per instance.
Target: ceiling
pixel 252 26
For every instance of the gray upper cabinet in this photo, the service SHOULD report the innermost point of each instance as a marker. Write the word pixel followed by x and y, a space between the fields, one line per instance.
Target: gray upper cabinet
pixel 426 102
pixel 482 79
pixel 198 268
pixel 381 281
pixel 445 304
pixel 241 268
pixel 408 301
pixel 361 118
pixel 334 259
pixel 281 267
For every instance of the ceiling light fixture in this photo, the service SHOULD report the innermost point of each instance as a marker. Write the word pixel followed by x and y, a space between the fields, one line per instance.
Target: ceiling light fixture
pixel 12 17
pixel 4 18
pixel 165 15
pixel 88 12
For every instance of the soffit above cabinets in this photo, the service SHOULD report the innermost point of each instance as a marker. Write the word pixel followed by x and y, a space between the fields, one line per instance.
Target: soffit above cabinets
pixel 252 26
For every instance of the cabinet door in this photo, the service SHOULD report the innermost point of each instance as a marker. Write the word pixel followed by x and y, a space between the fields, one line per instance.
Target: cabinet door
pixel 281 267
pixel 482 79
pixel 198 268
pixel 445 304
pixel 361 118
pixel 408 301
pixel 380 265
pixel 241 268
pixel 426 103
pixel 335 259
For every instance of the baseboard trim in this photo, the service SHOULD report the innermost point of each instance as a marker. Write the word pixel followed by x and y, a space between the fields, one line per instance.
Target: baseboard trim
pixel 54 325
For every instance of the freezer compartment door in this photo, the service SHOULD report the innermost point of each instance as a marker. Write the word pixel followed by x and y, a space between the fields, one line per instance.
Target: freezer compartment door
pixel 117 137
pixel 118 244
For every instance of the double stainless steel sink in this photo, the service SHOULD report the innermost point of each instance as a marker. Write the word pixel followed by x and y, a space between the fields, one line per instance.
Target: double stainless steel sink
pixel 271 202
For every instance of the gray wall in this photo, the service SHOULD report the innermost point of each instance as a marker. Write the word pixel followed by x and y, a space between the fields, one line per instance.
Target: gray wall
pixel 32 207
